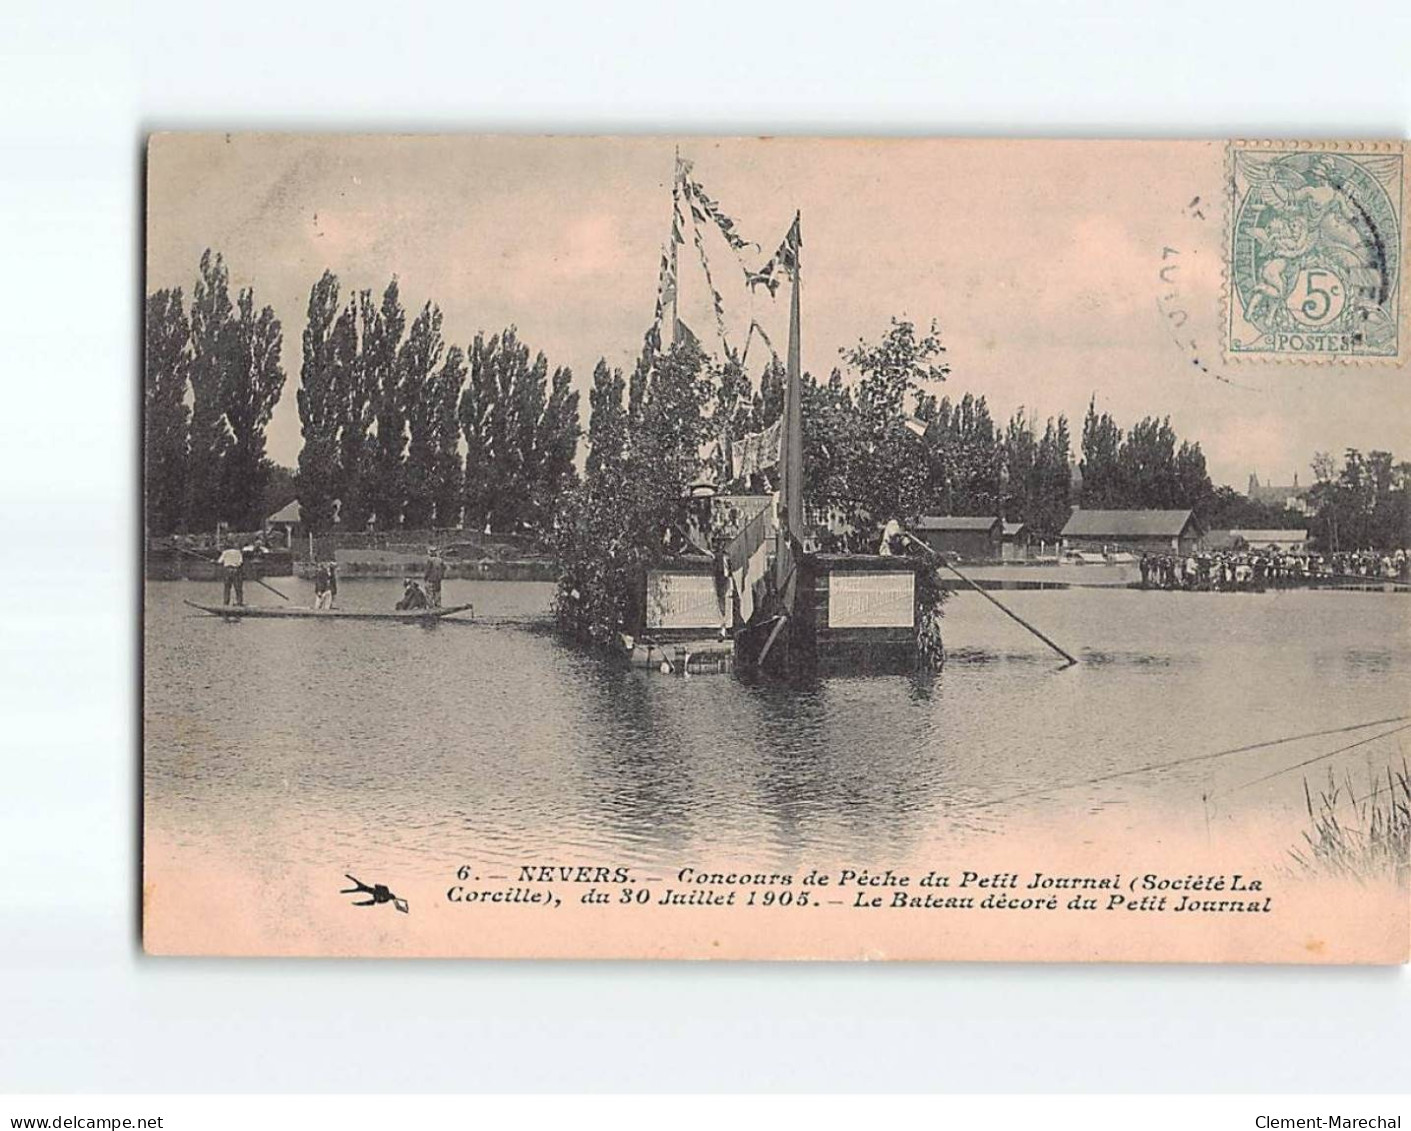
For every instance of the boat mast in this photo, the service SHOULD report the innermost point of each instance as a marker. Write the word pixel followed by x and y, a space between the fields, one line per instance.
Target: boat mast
pixel 791 437
pixel 678 176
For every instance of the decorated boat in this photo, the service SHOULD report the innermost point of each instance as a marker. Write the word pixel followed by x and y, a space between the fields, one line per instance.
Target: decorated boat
pixel 761 597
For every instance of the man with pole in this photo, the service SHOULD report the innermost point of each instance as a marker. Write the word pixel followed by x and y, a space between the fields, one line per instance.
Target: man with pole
pixel 435 574
pixel 232 568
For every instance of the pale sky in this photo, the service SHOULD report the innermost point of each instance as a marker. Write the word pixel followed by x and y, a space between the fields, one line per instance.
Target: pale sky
pixel 1041 261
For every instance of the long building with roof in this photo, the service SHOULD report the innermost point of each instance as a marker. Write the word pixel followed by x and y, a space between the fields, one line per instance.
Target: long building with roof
pixel 1132 531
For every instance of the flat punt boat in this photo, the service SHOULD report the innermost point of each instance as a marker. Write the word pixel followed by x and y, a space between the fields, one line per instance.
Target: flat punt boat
pixel 414 615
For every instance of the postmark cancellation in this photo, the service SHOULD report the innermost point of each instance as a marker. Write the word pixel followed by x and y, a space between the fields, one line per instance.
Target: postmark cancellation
pixel 1314 251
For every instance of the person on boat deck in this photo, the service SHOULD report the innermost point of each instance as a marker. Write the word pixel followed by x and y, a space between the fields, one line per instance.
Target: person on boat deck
pixel 412 597
pixel 435 574
pixel 232 573
pixel 891 538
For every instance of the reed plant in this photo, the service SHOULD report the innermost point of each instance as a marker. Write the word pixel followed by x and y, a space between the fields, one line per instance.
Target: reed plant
pixel 1365 837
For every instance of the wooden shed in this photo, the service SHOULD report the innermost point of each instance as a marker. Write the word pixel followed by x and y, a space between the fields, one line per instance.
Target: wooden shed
pixel 974 539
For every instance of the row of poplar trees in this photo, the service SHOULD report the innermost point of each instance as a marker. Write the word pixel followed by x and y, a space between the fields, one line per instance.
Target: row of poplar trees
pixel 213 377
pixel 384 408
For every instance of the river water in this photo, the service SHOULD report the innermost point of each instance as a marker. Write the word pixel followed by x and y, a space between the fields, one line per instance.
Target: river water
pixel 276 741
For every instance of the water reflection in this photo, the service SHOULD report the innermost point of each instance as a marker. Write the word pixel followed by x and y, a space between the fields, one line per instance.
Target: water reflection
pixel 289 740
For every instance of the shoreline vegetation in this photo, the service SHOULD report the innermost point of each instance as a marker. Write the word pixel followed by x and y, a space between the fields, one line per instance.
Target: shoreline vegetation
pixel 1360 834
pixel 403 430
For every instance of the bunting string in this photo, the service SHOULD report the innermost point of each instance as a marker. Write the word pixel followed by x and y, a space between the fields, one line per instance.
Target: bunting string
pixel 716 301
pixel 756 328
pixel 690 199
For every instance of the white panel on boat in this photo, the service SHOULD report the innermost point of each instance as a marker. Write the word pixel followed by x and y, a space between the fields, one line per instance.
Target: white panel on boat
pixel 682 600
pixel 870 600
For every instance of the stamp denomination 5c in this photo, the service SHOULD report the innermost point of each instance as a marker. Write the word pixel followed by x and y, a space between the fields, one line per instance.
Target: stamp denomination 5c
pixel 1314 251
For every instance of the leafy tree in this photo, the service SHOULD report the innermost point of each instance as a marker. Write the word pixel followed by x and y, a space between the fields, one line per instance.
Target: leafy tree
pixel 253 383
pixel 212 348
pixel 417 360
pixel 898 366
pixel 556 443
pixel 769 401
pixel 167 361
pixel 833 434
pixel 489 408
pixel 966 459
pixel 521 435
pixel 617 522
pixel 1363 505
pixel 1145 469
pixel 1102 477
pixel 732 411
pixel 887 472
pixel 675 425
pixel 637 385
pixel 356 400
pixel 381 346
pixel 607 419
pixel 1021 464
pixel 320 411
pixel 1228 509
pixel 236 380
pixel 446 474
pixel 1193 486
pixel 1049 506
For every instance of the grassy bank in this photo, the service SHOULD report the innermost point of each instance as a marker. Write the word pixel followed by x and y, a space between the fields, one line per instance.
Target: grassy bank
pixel 1359 835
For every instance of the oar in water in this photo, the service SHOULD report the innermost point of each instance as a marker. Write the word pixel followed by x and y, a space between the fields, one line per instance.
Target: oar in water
pixel 256 580
pixel 1002 608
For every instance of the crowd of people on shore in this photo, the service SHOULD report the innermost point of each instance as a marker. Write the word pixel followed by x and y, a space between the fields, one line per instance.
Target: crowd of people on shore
pixel 1254 569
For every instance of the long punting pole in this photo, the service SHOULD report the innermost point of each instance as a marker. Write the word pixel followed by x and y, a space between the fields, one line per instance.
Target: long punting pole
pixel 1002 608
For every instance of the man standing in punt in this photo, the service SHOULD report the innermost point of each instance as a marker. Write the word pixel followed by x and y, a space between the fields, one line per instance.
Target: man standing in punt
pixel 232 569
pixel 325 585
pixel 435 574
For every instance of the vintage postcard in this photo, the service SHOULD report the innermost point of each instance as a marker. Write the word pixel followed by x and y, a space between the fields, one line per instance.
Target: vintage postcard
pixel 777 548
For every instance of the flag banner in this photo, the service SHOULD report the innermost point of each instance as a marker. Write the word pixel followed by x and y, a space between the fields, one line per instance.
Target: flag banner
pixel 666 294
pixel 756 451
pixel 723 222
pixel 743 546
pixel 717 303
pixel 684 334
pixel 764 277
pixel 785 259
pixel 757 329
pixel 747 558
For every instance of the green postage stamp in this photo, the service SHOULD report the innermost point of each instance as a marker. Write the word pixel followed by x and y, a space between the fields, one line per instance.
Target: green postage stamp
pixel 1314 251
